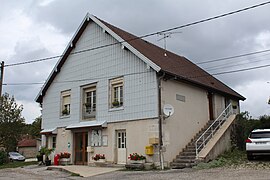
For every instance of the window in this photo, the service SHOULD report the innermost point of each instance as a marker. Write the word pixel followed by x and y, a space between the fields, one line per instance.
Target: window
pixel 116 92
pixel 54 142
pixel 96 138
pixel 65 108
pixel 89 102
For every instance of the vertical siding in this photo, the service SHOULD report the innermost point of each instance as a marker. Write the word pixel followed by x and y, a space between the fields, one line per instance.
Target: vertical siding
pixel 98 66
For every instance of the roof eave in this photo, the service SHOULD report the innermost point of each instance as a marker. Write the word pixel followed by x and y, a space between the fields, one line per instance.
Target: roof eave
pixel 87 18
pixel 61 60
pixel 180 78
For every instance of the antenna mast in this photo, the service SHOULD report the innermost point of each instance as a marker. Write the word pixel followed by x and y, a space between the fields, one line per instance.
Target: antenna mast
pixel 165 36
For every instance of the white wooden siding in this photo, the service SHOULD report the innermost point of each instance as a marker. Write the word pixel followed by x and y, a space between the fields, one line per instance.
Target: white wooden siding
pixel 99 66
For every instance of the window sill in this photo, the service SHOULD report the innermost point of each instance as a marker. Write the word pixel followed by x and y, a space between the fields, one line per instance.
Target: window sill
pixel 116 109
pixel 65 116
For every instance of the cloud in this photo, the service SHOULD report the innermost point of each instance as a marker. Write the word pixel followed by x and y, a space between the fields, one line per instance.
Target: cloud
pixel 257 93
pixel 31 110
pixel 36 29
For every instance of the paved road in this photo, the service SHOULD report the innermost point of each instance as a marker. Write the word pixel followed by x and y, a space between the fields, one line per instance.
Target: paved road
pixel 40 173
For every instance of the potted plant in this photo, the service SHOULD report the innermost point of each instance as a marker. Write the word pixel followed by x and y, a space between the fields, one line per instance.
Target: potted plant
pixel 116 103
pixel 87 105
pixel 40 157
pixel 47 152
pixel 136 158
pixel 65 112
pixel 99 157
pixel 64 158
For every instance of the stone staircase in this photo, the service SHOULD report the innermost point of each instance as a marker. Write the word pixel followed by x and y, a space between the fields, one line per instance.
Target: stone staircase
pixel 187 158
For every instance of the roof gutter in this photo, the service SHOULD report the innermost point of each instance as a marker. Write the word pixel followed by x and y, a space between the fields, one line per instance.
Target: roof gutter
pixel 160 118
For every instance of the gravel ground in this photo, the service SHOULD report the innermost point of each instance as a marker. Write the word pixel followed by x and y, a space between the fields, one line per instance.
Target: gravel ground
pixel 239 173
pixel 32 172
pixel 191 174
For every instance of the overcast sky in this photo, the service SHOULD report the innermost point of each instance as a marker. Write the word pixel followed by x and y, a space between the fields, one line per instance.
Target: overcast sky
pixel 32 29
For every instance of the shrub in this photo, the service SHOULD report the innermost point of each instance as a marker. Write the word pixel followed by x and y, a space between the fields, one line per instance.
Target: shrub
pixel 3 157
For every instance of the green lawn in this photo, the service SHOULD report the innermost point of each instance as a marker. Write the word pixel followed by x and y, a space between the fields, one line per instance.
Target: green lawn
pixel 17 164
pixel 235 159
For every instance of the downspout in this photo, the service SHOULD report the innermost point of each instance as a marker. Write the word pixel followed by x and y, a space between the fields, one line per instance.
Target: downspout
pixel 160 117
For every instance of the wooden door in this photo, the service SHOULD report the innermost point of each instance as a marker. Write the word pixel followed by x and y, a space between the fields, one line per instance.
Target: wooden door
pixel 81 143
pixel 211 108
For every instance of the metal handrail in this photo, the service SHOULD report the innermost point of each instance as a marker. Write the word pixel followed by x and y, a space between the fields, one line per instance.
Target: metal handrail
pixel 220 119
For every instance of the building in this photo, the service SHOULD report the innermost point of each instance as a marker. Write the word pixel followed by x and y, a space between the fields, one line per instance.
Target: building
pixel 28 147
pixel 106 93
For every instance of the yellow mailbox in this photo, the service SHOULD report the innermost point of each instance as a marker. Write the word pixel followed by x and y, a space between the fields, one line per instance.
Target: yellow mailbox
pixel 149 150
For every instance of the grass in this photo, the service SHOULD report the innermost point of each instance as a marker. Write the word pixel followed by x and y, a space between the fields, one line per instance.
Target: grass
pixel 17 164
pixel 232 158
pixel 75 174
pixel 236 159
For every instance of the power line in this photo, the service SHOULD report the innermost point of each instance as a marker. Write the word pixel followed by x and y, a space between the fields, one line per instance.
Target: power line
pixel 77 80
pixel 233 65
pixel 233 57
pixel 147 35
pixel 233 71
pixel 98 78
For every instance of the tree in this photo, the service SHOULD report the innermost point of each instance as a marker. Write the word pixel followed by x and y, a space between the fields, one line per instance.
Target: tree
pixel 33 129
pixel 11 122
pixel 243 126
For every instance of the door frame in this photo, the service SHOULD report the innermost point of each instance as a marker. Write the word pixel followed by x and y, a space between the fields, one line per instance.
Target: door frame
pixel 84 148
pixel 117 146
pixel 211 105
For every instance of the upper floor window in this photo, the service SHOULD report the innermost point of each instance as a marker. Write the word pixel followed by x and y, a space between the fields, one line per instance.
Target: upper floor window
pixel 89 101
pixel 117 86
pixel 65 107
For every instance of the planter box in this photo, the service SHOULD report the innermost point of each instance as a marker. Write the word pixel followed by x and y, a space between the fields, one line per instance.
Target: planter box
pixel 137 162
pixel 64 161
pixel 101 160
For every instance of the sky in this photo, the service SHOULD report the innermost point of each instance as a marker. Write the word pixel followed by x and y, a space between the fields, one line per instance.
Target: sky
pixel 32 29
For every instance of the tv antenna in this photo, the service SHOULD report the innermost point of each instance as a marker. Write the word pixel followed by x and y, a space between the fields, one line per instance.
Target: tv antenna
pixel 165 36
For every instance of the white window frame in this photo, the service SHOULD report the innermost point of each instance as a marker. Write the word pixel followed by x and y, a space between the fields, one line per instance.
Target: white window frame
pixel 93 105
pixel 117 84
pixel 96 137
pixel 54 142
pixel 65 105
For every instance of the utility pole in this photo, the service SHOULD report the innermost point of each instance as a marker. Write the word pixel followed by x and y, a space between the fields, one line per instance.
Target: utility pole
pixel 1 77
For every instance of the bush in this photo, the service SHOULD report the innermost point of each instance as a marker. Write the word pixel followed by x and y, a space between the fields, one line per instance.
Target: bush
pixel 243 126
pixel 3 157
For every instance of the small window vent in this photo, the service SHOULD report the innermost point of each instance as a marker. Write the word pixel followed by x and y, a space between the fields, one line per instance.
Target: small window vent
pixel 180 98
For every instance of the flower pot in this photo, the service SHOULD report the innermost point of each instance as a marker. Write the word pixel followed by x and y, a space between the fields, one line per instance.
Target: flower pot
pixel 48 162
pixel 39 158
pixel 101 160
pixel 64 161
pixel 137 161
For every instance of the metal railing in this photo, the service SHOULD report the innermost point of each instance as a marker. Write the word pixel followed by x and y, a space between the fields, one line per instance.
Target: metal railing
pixel 211 130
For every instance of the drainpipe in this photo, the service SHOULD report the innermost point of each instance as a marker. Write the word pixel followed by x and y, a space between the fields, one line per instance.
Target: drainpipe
pixel 160 117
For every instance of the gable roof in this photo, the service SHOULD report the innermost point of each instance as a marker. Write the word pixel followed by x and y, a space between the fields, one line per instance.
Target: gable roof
pixel 152 55
pixel 27 143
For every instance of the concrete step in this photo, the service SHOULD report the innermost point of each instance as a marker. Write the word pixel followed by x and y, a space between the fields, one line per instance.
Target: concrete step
pixel 175 165
pixel 184 153
pixel 184 160
pixel 185 157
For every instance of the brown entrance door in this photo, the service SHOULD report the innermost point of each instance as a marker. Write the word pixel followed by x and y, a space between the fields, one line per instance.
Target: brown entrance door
pixel 81 142
pixel 211 108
